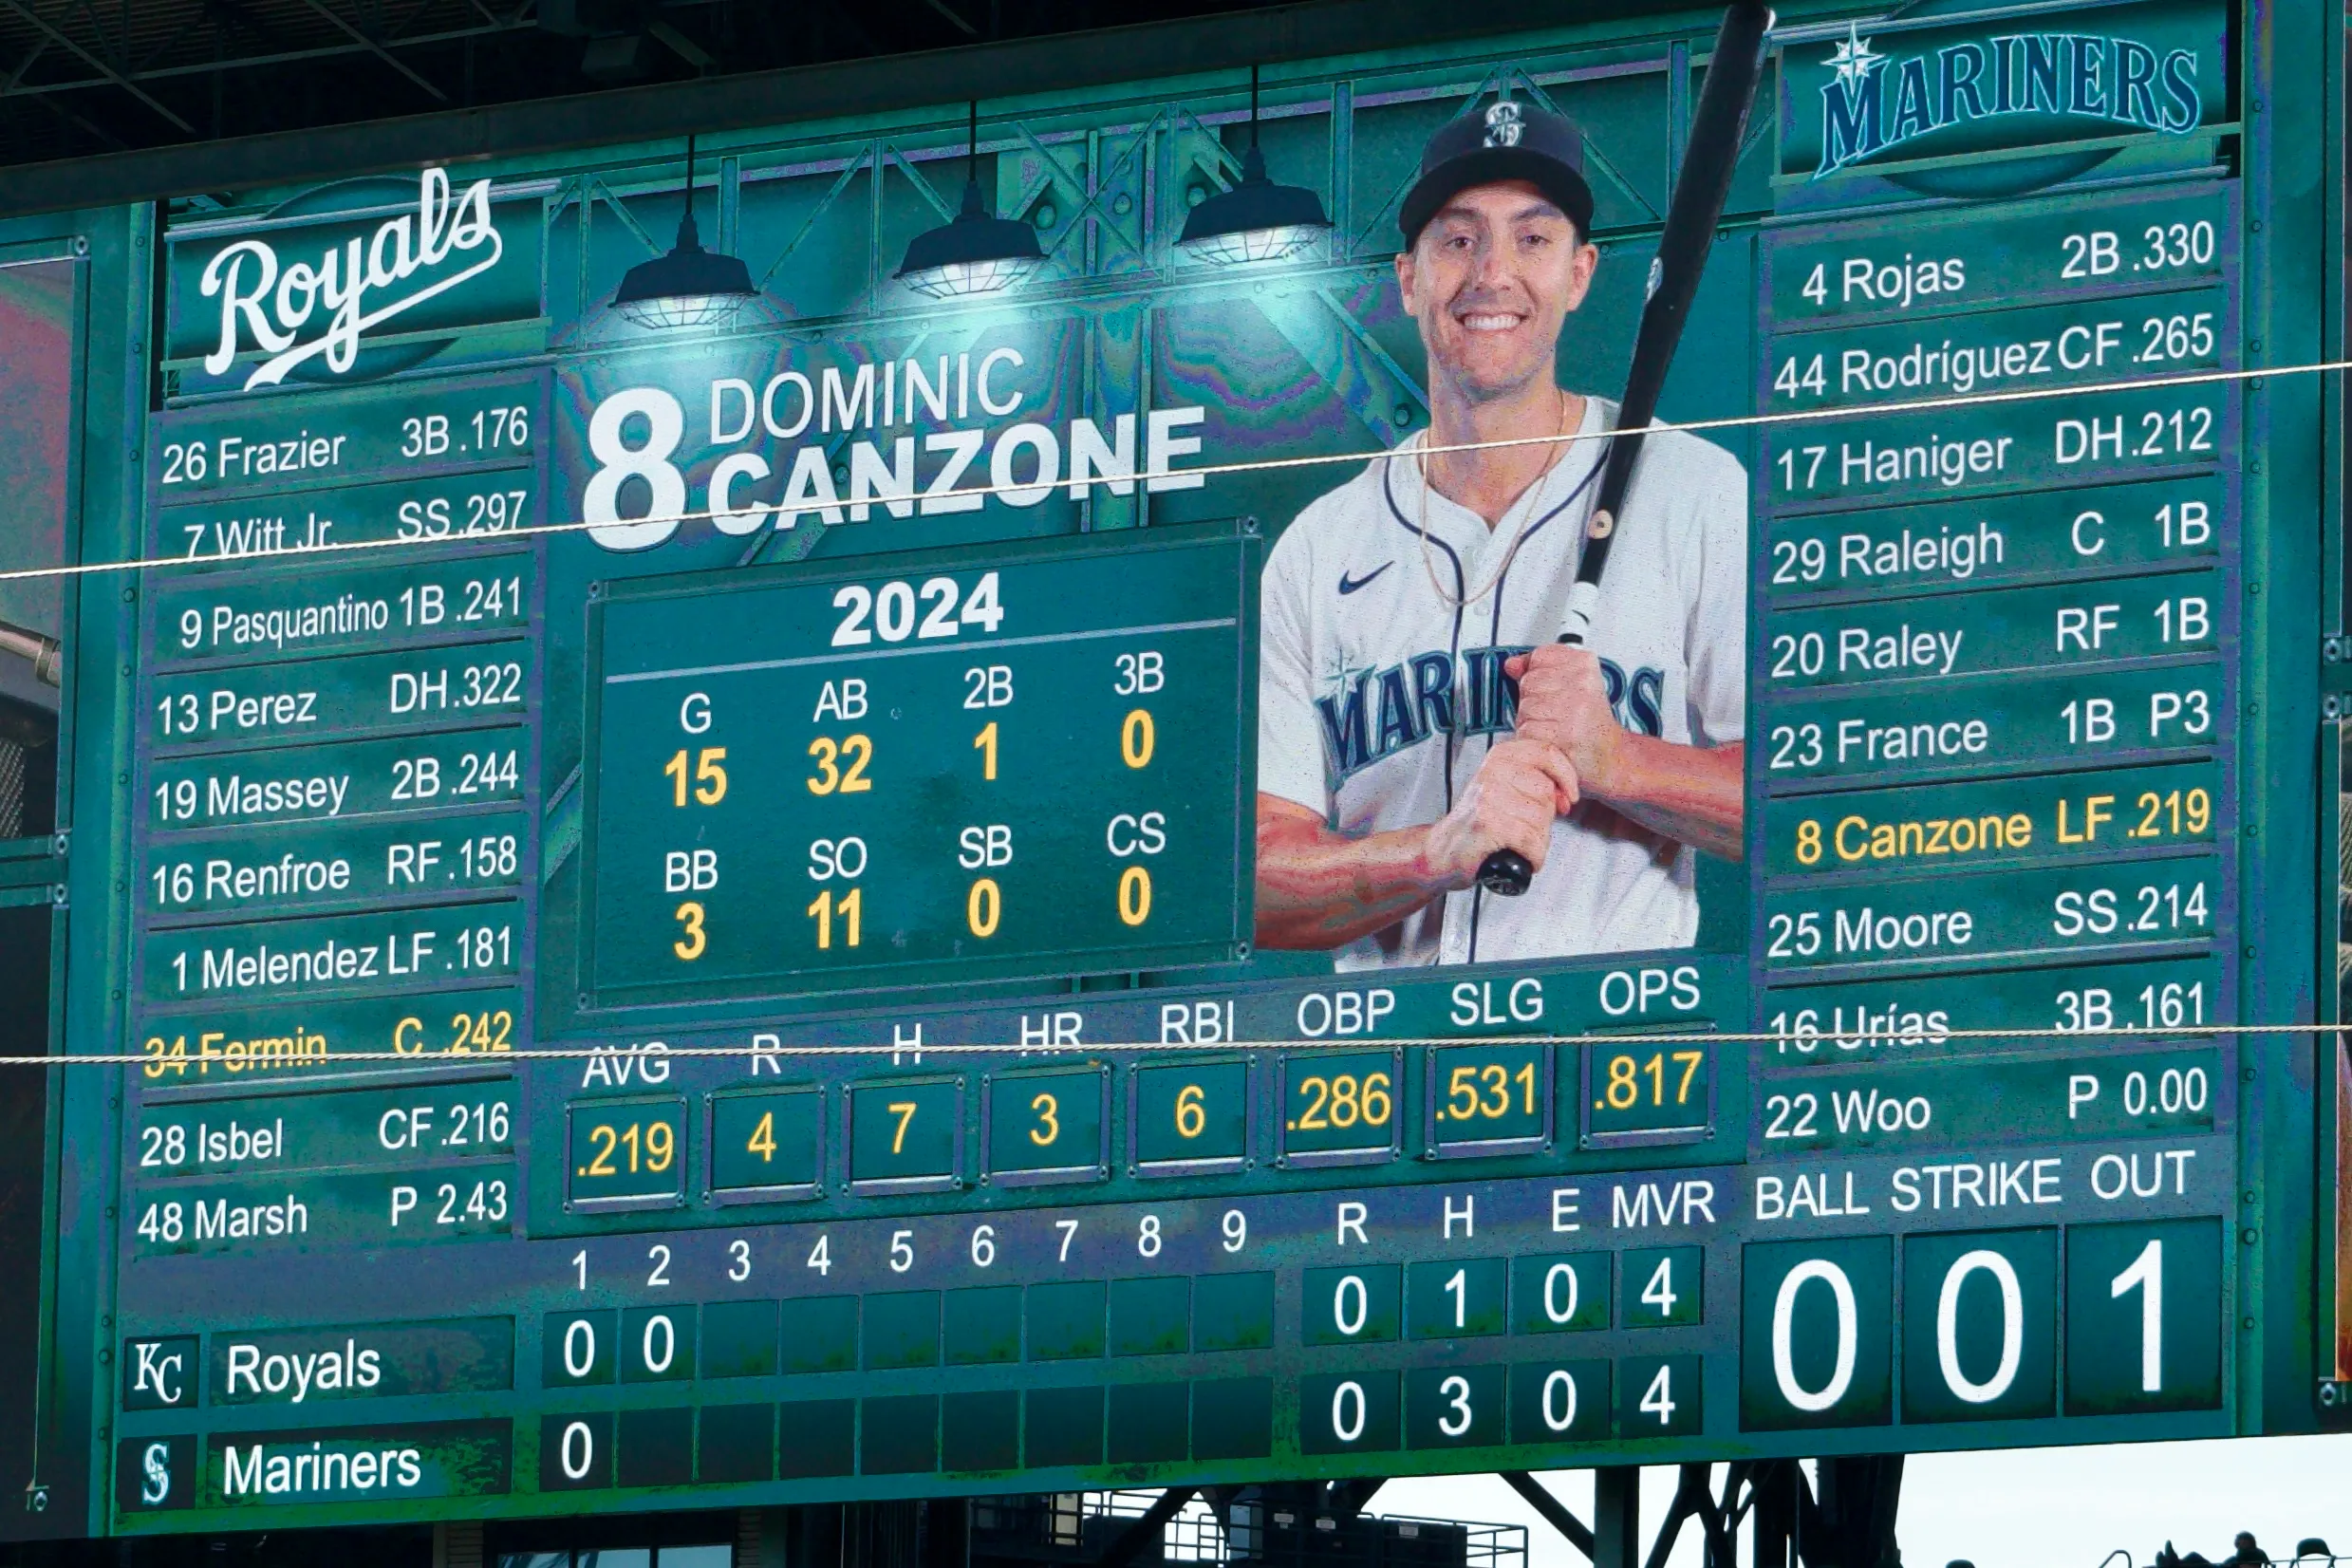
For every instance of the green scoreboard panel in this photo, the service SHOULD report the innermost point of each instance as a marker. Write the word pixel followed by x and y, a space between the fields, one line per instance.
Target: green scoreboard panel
pixel 678 908
pixel 879 736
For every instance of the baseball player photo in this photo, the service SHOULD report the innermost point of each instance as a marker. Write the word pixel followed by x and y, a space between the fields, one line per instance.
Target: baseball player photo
pixel 1415 712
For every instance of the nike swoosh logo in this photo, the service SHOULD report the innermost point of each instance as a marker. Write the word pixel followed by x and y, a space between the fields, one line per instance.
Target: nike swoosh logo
pixel 1349 585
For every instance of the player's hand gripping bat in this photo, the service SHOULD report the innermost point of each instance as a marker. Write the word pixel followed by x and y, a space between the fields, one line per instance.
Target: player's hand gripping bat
pixel 1700 190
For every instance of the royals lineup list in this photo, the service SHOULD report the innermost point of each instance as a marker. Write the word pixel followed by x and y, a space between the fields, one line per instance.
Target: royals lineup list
pixel 333 810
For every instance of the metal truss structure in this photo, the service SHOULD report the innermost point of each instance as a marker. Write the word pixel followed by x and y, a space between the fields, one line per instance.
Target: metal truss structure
pixel 92 76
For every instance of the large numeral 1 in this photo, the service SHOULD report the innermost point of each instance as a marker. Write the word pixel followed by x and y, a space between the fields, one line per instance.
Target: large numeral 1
pixel 2146 1275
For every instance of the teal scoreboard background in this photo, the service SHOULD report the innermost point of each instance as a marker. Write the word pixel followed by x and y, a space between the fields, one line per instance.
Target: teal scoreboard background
pixel 877 855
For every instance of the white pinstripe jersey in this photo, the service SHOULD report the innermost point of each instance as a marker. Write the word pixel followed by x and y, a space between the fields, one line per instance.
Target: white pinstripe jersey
pixel 1380 691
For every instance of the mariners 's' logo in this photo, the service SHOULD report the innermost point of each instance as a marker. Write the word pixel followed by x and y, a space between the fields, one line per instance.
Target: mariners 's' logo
pixel 157 1463
pixel 1504 125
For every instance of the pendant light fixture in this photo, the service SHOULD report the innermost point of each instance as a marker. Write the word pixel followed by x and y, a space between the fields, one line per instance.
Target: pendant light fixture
pixel 690 287
pixel 1255 220
pixel 977 252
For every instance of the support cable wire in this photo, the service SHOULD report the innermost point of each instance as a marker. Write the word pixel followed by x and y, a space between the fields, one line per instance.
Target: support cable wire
pixel 1704 1037
pixel 1260 465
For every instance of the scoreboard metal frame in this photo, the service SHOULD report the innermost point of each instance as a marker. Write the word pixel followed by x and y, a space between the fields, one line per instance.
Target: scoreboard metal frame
pixel 1706 1270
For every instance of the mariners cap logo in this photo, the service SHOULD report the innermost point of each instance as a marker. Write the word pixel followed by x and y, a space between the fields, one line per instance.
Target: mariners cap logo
pixel 1504 125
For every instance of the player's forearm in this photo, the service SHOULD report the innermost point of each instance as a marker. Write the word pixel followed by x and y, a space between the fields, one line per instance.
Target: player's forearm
pixel 1694 794
pixel 1317 890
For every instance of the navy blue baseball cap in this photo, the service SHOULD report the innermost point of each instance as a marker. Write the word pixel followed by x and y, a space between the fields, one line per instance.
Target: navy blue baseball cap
pixel 1510 141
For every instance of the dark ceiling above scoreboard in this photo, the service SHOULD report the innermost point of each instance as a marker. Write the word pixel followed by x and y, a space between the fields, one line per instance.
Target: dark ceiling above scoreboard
pixel 79 80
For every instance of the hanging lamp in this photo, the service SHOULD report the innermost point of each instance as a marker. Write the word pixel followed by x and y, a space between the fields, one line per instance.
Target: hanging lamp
pixel 1255 220
pixel 690 287
pixel 975 252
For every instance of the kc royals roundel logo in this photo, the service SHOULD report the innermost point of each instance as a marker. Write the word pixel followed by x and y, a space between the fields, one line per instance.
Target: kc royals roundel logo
pixel 1504 125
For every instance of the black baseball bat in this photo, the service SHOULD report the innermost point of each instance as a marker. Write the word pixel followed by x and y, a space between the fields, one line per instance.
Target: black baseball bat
pixel 1700 190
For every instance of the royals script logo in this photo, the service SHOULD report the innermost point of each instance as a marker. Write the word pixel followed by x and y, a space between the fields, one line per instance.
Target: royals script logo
pixel 303 309
pixel 1873 102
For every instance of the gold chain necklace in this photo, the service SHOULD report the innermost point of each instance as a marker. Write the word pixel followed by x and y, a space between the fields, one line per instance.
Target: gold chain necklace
pixel 1428 561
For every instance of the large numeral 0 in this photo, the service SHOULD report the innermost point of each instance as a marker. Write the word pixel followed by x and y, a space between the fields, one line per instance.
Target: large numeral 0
pixel 1135 738
pixel 670 1344
pixel 1813 1401
pixel 1345 1424
pixel 1341 1319
pixel 1557 1313
pixel 1560 1400
pixel 579 1440
pixel 1948 1327
pixel 581 1336
pixel 982 908
pixel 1134 895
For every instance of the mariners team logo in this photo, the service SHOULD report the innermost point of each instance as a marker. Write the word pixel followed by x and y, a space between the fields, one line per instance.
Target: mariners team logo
pixel 1873 102
pixel 1370 715
pixel 1505 124
pixel 156 1472
pixel 156 1478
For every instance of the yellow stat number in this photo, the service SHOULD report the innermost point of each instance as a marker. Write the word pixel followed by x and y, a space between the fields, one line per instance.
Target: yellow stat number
pixel 1484 1094
pixel 903 1131
pixel 699 777
pixel 1134 896
pixel 905 1112
pixel 1047 1122
pixel 844 914
pixel 840 765
pixel 709 781
pixel 645 1147
pixel 627 1151
pixel 1340 1102
pixel 1490 1093
pixel 982 908
pixel 2174 813
pixel 1191 1112
pixel 765 1139
pixel 1137 740
pixel 1630 1078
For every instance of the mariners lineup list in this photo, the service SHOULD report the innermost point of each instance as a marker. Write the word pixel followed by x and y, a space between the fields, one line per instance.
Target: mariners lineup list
pixel 1993 670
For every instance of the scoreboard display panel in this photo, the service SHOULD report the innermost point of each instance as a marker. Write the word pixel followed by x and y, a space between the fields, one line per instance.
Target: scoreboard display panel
pixel 685 916
pixel 941 707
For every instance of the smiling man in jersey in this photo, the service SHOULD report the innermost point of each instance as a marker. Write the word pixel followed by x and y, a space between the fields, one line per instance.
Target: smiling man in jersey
pixel 1414 710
